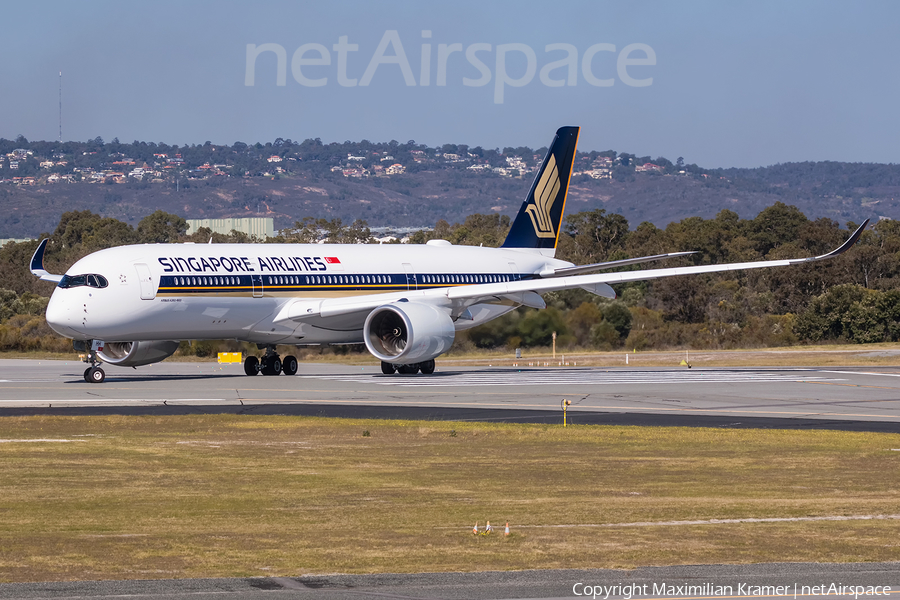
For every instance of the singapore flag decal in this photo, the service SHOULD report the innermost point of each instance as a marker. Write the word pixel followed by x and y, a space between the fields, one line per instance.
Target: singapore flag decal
pixel 334 263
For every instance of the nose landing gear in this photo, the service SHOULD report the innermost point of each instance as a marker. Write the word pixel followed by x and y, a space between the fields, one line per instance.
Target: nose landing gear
pixel 93 374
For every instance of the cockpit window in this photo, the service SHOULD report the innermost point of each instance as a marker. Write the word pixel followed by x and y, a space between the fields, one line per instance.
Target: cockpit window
pixel 89 280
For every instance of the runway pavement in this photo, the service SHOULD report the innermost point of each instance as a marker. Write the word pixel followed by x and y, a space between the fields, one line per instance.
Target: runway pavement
pixel 839 398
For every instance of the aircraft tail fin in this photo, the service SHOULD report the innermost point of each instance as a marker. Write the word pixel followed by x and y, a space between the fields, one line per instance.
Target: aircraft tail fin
pixel 539 220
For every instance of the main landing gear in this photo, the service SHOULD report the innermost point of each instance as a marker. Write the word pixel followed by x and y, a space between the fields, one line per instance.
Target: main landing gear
pixel 270 364
pixel 93 374
pixel 426 367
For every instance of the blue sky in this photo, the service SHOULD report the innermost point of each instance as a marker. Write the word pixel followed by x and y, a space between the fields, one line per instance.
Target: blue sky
pixel 721 84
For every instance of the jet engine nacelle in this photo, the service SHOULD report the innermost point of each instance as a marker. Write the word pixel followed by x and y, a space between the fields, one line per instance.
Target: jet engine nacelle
pixel 408 332
pixel 135 354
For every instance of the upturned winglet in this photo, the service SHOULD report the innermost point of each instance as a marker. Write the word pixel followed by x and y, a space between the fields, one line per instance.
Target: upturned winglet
pixel 37 264
pixel 840 249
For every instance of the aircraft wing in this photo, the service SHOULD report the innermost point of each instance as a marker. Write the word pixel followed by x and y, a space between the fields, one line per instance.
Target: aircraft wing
pixel 565 271
pixel 525 291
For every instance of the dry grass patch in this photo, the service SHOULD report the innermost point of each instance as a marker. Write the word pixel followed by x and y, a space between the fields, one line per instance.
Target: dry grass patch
pixel 226 495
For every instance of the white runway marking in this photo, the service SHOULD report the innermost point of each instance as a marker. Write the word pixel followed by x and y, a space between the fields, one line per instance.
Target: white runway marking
pixel 576 377
pixel 60 379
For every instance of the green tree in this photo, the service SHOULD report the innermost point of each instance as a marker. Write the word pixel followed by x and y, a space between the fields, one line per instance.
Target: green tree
pixel 161 228
pixel 775 225
pixel 618 315
pixel 825 317
pixel 311 230
pixel 537 328
pixel 88 232
pixel 604 336
pixel 581 320
pixel 498 332
pixel 596 235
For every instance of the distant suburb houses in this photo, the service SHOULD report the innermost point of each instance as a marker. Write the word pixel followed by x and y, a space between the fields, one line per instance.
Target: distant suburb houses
pixel 139 163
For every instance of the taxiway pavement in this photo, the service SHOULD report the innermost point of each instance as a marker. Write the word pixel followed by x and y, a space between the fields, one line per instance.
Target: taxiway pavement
pixel 711 582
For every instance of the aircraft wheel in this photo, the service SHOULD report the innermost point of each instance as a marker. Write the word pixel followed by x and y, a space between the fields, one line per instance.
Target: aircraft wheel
pixel 271 366
pixel 96 375
pixel 427 367
pixel 289 365
pixel 408 369
pixel 87 374
pixel 387 368
pixel 251 365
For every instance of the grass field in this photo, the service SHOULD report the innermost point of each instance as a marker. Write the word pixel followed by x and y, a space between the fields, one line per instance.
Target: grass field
pixel 210 496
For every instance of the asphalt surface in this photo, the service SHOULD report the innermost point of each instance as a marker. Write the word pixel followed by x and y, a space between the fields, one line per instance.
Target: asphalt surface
pixel 745 581
pixel 858 399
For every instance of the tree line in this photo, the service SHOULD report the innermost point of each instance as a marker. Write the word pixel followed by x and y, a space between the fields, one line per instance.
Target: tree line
pixel 852 298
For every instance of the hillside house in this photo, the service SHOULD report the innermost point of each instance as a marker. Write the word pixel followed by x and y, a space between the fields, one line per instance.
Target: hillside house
pixel 648 167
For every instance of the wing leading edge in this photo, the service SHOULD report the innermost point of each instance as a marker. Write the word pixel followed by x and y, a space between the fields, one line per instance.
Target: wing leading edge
pixel 516 291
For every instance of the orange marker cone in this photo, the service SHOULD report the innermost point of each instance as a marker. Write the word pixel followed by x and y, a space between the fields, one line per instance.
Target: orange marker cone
pixel 488 529
pixel 507 529
pixel 475 529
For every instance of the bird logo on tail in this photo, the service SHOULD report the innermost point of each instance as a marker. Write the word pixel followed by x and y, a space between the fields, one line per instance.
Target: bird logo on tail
pixel 545 194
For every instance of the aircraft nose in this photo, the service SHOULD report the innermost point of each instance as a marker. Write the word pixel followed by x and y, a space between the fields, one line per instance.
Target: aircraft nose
pixel 59 317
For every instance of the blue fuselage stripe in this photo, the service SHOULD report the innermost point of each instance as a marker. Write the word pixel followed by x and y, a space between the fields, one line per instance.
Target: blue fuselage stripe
pixel 387 282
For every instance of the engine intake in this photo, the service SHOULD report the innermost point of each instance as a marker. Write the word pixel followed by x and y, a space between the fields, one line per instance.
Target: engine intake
pixel 408 332
pixel 135 354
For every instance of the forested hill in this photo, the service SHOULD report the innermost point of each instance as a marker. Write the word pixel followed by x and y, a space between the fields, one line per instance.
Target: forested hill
pixel 401 184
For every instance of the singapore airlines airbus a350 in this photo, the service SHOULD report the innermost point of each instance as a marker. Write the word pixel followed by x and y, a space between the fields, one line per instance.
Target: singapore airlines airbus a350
pixel 131 305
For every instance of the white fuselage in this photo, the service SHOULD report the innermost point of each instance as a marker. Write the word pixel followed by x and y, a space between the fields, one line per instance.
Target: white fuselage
pixel 225 291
